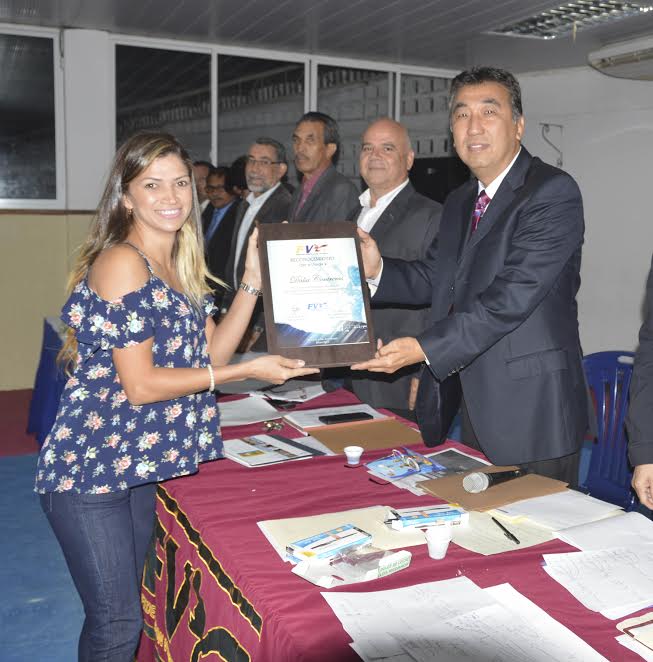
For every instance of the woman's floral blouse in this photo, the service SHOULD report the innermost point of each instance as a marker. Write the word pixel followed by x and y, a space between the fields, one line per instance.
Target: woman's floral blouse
pixel 101 443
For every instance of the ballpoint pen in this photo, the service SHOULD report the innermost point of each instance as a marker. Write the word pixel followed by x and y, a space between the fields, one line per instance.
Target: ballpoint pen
pixel 506 533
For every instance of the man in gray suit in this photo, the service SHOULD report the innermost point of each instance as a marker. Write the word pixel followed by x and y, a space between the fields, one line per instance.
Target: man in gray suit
pixel 404 224
pixel 502 283
pixel 640 410
pixel 324 194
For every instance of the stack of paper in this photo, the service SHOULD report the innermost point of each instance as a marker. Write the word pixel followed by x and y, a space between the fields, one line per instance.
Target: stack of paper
pixel 616 581
pixel 638 635
pixel 452 621
pixel 246 411
pixel 626 530
pixel 561 510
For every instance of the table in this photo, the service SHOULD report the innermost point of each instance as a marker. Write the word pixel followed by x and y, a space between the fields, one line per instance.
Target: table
pixel 48 383
pixel 216 585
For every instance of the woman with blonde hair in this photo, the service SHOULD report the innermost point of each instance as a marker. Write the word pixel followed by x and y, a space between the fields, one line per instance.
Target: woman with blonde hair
pixel 145 357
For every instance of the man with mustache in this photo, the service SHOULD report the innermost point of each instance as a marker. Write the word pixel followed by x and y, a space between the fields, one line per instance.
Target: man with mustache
pixel 324 194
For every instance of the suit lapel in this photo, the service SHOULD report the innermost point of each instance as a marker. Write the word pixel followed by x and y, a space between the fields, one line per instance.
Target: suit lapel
pixel 501 200
pixel 394 210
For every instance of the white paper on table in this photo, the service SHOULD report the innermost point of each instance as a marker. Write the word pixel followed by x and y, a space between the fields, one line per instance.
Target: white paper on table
pixel 626 530
pixel 494 633
pixel 615 582
pixel 410 609
pixel 483 536
pixel 402 657
pixel 246 411
pixel 632 644
pixel 561 510
pixel 521 607
pixel 282 532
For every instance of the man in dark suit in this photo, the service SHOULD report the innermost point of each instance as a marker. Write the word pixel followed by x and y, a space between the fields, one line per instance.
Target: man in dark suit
pixel 639 420
pixel 218 221
pixel 404 224
pixel 324 194
pixel 502 283
pixel 267 202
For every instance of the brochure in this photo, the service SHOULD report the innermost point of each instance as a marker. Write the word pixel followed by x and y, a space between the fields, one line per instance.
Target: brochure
pixel 264 449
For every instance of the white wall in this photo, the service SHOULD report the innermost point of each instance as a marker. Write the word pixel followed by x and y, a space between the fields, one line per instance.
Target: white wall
pixel 607 144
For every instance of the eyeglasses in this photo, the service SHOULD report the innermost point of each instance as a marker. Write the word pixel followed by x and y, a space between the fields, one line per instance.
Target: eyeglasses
pixel 264 163
pixel 411 459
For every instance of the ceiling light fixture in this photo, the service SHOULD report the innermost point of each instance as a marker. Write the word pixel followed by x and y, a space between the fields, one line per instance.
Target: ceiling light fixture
pixel 571 17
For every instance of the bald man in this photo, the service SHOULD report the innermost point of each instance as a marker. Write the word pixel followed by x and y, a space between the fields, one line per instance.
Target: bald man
pixel 404 224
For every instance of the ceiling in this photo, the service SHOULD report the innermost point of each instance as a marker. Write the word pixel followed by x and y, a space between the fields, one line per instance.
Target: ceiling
pixel 436 33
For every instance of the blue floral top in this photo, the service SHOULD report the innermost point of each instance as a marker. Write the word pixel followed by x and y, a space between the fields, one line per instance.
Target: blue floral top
pixel 101 443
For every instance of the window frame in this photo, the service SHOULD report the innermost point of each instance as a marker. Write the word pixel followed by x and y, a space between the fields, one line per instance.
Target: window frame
pixel 58 202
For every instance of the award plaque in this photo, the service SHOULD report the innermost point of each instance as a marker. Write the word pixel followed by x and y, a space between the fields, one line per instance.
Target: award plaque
pixel 315 299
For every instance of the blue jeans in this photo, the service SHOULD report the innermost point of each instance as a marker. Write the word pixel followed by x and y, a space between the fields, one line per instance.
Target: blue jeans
pixel 104 539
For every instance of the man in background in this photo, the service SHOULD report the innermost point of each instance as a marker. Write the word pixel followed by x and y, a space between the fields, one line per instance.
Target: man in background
pixel 218 221
pixel 267 202
pixel 502 282
pixel 201 171
pixel 404 224
pixel 639 420
pixel 324 194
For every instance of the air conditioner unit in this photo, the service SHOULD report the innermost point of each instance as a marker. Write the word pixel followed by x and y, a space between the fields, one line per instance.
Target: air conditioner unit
pixel 628 59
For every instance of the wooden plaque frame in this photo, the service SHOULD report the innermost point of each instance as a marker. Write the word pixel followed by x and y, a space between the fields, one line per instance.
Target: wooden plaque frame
pixel 315 355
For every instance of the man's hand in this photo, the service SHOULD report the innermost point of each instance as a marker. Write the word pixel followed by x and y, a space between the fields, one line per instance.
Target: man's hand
pixel 371 255
pixel 643 484
pixel 393 356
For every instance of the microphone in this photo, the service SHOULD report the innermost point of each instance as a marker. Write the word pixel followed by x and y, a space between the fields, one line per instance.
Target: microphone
pixel 479 482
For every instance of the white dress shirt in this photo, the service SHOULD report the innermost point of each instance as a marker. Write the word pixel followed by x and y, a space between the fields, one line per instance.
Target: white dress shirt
pixel 255 204
pixel 370 215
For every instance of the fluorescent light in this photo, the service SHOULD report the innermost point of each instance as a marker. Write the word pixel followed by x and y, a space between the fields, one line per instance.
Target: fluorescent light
pixel 571 17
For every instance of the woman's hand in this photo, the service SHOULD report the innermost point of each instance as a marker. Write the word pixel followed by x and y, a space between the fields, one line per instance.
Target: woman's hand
pixel 277 369
pixel 252 274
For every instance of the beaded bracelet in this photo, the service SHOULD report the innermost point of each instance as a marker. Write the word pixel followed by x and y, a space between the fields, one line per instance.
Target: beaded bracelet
pixel 212 377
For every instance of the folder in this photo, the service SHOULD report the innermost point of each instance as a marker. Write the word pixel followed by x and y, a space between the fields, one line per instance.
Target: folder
pixel 371 435
pixel 450 488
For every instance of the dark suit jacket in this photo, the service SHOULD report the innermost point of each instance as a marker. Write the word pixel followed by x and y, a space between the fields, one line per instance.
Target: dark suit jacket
pixel 513 335
pixel 217 250
pixel 332 199
pixel 406 229
pixel 274 210
pixel 639 419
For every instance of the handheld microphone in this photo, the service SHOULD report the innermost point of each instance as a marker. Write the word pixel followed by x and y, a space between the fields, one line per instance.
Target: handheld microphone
pixel 479 482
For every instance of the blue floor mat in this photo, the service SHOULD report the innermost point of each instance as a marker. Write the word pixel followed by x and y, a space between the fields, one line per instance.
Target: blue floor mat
pixel 41 615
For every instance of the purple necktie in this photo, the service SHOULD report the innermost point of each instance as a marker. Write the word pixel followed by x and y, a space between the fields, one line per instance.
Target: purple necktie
pixel 482 202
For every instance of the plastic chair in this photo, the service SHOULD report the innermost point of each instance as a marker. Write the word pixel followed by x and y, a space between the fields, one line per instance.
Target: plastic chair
pixel 608 375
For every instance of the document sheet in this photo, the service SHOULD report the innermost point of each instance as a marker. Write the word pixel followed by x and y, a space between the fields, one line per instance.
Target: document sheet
pixel 616 581
pixel 454 620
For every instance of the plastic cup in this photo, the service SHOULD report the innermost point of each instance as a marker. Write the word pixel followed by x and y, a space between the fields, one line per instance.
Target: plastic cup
pixel 353 454
pixel 437 540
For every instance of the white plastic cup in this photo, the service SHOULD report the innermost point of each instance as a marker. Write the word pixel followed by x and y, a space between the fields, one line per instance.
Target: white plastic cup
pixel 353 454
pixel 437 540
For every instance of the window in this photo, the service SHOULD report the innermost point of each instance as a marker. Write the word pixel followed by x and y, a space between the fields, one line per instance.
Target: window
pixel 354 98
pixel 425 114
pixel 164 90
pixel 257 97
pixel 28 162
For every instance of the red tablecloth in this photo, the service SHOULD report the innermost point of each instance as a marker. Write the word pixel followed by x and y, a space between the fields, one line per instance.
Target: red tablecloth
pixel 217 589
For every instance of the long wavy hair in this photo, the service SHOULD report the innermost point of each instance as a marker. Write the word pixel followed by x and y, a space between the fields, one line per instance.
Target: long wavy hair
pixel 112 223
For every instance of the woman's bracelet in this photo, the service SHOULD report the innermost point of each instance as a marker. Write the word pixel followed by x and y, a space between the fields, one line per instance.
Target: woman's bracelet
pixel 212 377
pixel 249 289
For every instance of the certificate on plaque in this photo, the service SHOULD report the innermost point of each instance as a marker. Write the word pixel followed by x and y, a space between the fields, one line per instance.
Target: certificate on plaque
pixel 316 303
